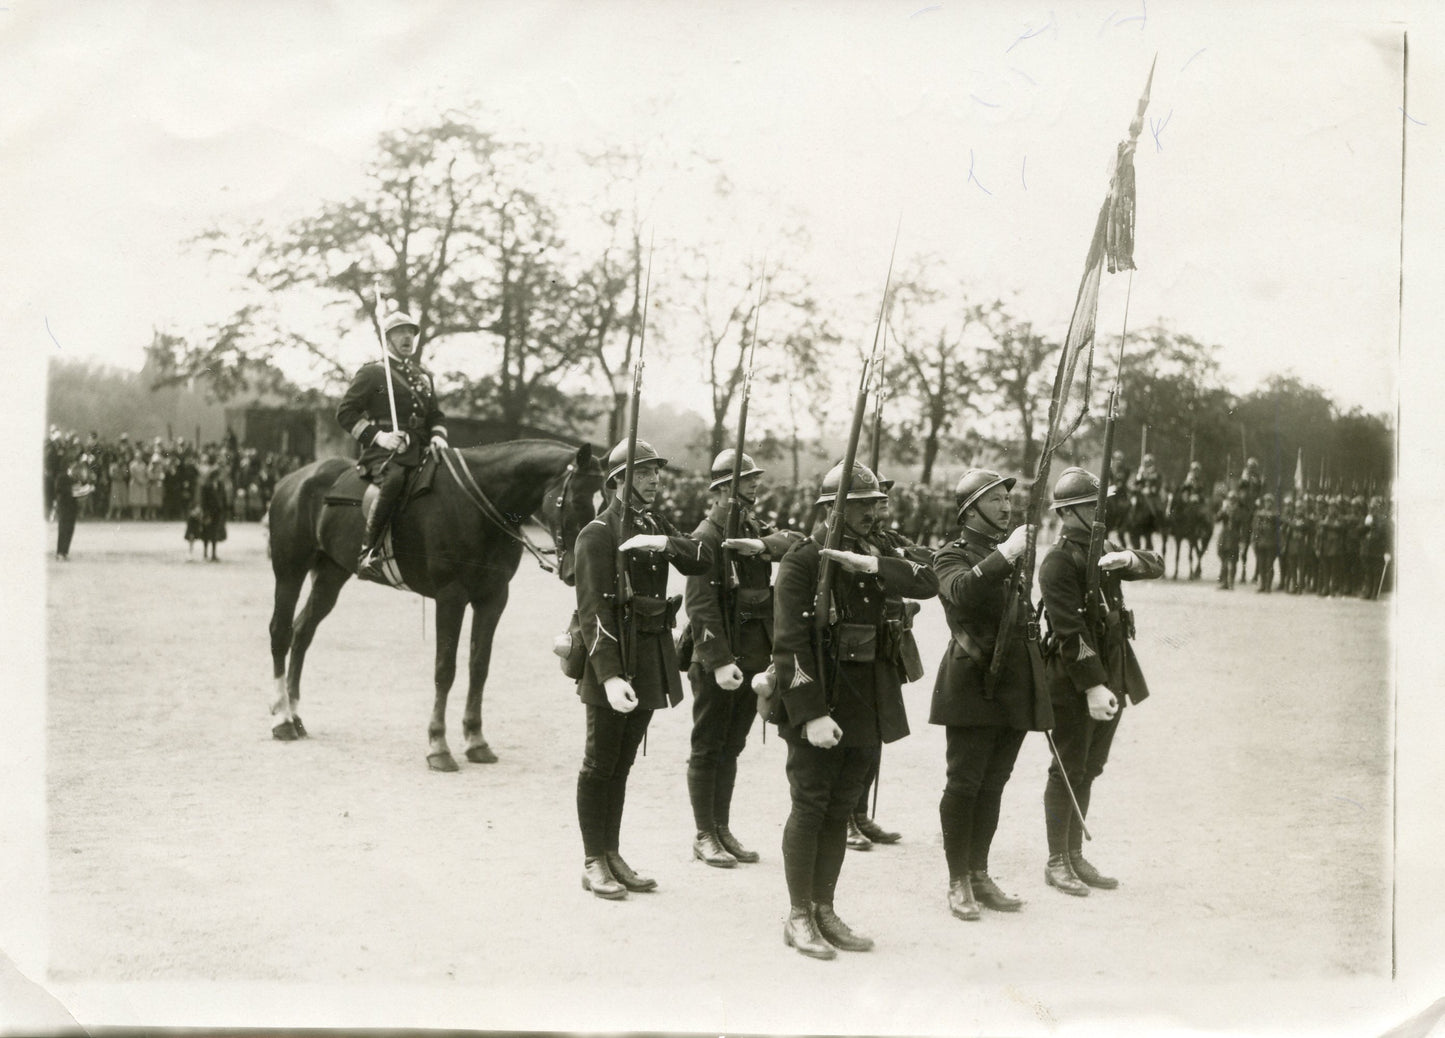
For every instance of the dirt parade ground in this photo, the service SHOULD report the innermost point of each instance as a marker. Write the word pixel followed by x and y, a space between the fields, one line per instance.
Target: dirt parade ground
pixel 201 873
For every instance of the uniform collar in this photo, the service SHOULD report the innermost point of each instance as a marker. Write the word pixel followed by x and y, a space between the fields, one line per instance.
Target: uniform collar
pixel 982 540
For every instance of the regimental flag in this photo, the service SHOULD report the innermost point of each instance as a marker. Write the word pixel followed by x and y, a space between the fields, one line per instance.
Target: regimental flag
pixel 1112 246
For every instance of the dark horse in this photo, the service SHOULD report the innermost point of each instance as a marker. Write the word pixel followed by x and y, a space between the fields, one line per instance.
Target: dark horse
pixel 459 543
pixel 1144 518
pixel 1187 521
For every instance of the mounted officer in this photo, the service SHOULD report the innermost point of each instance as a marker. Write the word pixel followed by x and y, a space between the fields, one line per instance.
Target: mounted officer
pixel 1195 489
pixel 386 453
pixel 730 616
pixel 631 667
pixel 1091 670
pixel 984 727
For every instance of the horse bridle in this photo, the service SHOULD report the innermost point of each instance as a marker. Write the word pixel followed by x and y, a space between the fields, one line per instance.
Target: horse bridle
pixel 474 493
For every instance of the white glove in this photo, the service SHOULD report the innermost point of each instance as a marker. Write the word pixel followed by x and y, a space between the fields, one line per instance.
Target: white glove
pixel 729 676
pixel 439 441
pixel 1116 560
pixel 1013 545
pixel 644 542
pixel 620 695
pixel 744 545
pixel 390 441
pixel 1102 704
pixel 852 561
pixel 823 732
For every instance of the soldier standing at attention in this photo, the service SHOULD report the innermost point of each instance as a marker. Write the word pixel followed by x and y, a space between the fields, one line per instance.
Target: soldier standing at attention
pixel 730 612
pixel 836 706
pixel 635 633
pixel 1231 523
pixel 1251 486
pixel 984 727
pixel 1266 543
pixel 386 453
pixel 1090 667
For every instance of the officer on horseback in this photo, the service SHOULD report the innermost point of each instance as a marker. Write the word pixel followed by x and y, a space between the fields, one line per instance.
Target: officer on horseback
pixel 366 413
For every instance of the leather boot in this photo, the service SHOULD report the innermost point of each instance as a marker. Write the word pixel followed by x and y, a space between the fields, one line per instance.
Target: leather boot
pixel 622 872
pixel 801 932
pixel 856 840
pixel 990 896
pixel 730 844
pixel 875 832
pixel 598 878
pixel 706 848
pixel 837 933
pixel 1090 875
pixel 1059 873
pixel 960 899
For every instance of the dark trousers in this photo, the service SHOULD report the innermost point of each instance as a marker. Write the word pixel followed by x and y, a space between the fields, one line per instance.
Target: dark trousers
pixel 65 521
pixel 1083 744
pixel 612 742
pixel 389 482
pixel 862 808
pixel 1264 565
pixel 824 785
pixel 980 761
pixel 721 720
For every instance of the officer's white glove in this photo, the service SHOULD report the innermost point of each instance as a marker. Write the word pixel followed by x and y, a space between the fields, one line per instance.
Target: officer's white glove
pixel 1013 545
pixel 852 561
pixel 388 440
pixel 728 676
pixel 823 732
pixel 620 695
pixel 1116 560
pixel 744 545
pixel 1102 704
pixel 644 542
pixel 439 441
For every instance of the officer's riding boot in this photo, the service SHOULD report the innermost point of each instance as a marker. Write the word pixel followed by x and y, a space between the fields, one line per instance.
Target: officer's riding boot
pixel 722 802
pixel 388 489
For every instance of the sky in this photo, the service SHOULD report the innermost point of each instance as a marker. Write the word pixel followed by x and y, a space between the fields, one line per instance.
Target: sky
pixel 1268 172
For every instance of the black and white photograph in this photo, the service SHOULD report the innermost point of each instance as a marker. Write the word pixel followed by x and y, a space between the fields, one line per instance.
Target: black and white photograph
pixel 861 518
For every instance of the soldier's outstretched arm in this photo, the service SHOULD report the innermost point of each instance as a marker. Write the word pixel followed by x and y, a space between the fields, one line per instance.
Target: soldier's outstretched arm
pixel 688 555
pixel 907 578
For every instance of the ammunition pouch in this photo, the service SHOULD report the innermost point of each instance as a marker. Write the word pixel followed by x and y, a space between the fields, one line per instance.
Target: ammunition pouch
pixel 753 605
pixel 651 615
pixel 856 643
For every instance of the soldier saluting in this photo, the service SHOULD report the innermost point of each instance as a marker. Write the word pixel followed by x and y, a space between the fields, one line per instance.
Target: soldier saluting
pixel 366 413
pixel 838 701
pixel 1090 667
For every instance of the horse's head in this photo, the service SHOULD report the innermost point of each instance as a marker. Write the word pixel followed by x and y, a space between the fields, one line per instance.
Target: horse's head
pixel 568 504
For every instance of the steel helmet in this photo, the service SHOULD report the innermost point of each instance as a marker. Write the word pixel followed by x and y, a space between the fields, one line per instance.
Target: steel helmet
pixel 722 468
pixel 1075 487
pixel 644 455
pixel 864 488
pixel 975 483
pixel 399 319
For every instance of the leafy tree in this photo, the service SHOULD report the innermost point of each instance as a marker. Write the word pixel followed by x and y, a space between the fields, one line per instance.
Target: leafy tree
pixel 1016 372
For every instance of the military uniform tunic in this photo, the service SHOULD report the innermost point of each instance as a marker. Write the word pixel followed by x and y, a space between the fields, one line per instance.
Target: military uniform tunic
pixel 365 410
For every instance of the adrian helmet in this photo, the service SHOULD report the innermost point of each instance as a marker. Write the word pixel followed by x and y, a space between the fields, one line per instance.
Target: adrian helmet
pixel 643 455
pixel 975 483
pixel 1075 486
pixel 722 468
pixel 864 486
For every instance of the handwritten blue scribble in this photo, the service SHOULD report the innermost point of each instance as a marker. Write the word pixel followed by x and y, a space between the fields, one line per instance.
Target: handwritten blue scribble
pixel 1156 127
pixel 47 320
pixel 981 101
pixel 1196 54
pixel 1024 74
pixel 1140 18
pixel 1349 801
pixel 1407 115
pixel 974 178
pixel 1023 170
pixel 1031 33
pixel 925 10
pixel 1107 22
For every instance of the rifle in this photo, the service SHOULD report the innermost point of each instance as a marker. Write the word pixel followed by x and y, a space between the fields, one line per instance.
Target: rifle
pixel 733 525
pixel 880 393
pixel 823 598
pixel 624 586
pixel 1098 530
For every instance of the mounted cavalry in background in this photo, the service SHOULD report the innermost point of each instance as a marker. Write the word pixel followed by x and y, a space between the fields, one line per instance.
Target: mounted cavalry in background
pixel 1187 521
pixel 458 540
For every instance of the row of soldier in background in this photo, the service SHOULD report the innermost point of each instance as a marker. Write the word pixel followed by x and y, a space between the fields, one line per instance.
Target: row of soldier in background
pixel 126 479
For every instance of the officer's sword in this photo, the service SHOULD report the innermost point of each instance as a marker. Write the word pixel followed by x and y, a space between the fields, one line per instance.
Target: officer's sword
pixel 385 356
pixel 1078 812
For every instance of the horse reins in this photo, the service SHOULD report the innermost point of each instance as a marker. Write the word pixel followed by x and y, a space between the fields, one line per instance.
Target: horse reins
pixel 474 493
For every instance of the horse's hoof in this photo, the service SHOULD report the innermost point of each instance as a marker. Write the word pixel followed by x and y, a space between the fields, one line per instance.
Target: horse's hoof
pixel 301 732
pixel 441 762
pixel 284 732
pixel 481 754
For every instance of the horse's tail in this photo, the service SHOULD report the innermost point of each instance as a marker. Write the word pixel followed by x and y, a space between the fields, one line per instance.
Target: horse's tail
pixel 266 530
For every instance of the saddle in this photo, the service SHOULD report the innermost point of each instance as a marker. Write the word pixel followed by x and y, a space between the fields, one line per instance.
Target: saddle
pixel 351 489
